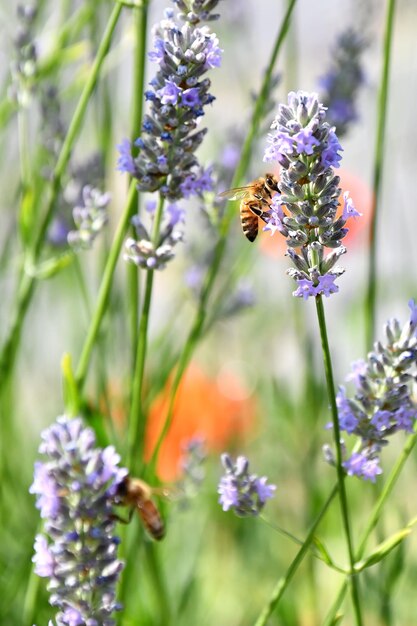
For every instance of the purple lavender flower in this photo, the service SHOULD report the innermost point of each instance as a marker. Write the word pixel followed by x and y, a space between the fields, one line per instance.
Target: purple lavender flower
pixel 305 210
pixel 178 95
pixel 125 162
pixel 326 285
pixel 384 400
pixel 184 51
pixel 75 487
pixel 360 465
pixel 349 208
pixel 341 84
pixel 43 558
pixel 305 289
pixel 245 493
pixel 169 93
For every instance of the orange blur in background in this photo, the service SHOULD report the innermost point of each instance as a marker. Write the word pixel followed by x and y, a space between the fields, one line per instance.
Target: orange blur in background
pixel 218 410
pixel 361 195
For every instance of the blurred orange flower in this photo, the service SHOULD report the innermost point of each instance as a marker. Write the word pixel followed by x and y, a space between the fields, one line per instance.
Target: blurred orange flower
pixel 217 410
pixel 361 195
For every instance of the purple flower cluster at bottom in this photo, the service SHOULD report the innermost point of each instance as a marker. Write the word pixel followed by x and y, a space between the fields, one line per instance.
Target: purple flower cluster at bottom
pixel 75 487
pixel 245 493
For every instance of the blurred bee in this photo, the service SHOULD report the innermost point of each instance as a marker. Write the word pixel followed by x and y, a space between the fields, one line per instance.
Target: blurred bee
pixel 136 493
pixel 256 201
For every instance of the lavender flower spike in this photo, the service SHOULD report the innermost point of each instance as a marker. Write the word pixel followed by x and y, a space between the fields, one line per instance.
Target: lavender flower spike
pixel 163 158
pixel 75 486
pixel 184 52
pixel 240 491
pixel 305 210
pixel 383 402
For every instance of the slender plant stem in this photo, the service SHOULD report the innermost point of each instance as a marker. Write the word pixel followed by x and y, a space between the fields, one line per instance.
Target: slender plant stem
pixel 373 520
pixel 371 294
pixel 24 151
pixel 29 602
pixel 83 287
pixel 291 58
pixel 161 595
pixel 27 283
pixel 339 468
pixel 283 582
pixel 199 320
pixel 140 15
pixel 104 291
pixel 136 417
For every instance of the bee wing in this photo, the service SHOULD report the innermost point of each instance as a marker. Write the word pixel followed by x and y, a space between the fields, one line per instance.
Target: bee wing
pixel 236 193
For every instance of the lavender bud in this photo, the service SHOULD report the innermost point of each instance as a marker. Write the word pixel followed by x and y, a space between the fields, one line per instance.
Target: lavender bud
pixel 90 218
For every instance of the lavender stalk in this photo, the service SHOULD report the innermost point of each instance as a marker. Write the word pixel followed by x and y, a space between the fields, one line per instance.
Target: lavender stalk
pixel 166 161
pixel 370 303
pixel 305 213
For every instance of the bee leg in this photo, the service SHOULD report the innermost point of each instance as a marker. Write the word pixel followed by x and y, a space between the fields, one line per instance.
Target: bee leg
pixel 117 518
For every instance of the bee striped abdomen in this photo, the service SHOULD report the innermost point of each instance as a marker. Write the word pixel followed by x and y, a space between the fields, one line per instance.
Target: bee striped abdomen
pixel 249 221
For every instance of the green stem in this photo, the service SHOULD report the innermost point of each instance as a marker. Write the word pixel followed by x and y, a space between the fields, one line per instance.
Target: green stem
pixel 31 595
pixel 198 324
pixel 159 584
pixel 283 582
pixel 27 283
pixel 371 295
pixel 103 296
pixel 140 15
pixel 24 152
pixel 339 467
pixel 83 287
pixel 373 520
pixel 136 432
pixel 291 59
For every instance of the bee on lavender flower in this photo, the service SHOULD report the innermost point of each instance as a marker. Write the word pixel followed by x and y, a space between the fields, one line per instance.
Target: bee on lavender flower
pixel 136 493
pixel 255 202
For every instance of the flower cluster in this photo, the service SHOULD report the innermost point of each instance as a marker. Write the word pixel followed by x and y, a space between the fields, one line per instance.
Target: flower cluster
pixel 163 158
pixel 179 92
pixel 245 493
pixel 383 403
pixel 341 84
pixel 75 487
pixel 305 211
pixel 142 252
pixel 89 218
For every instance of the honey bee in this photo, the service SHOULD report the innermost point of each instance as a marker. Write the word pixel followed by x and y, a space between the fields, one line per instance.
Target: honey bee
pixel 256 201
pixel 136 493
